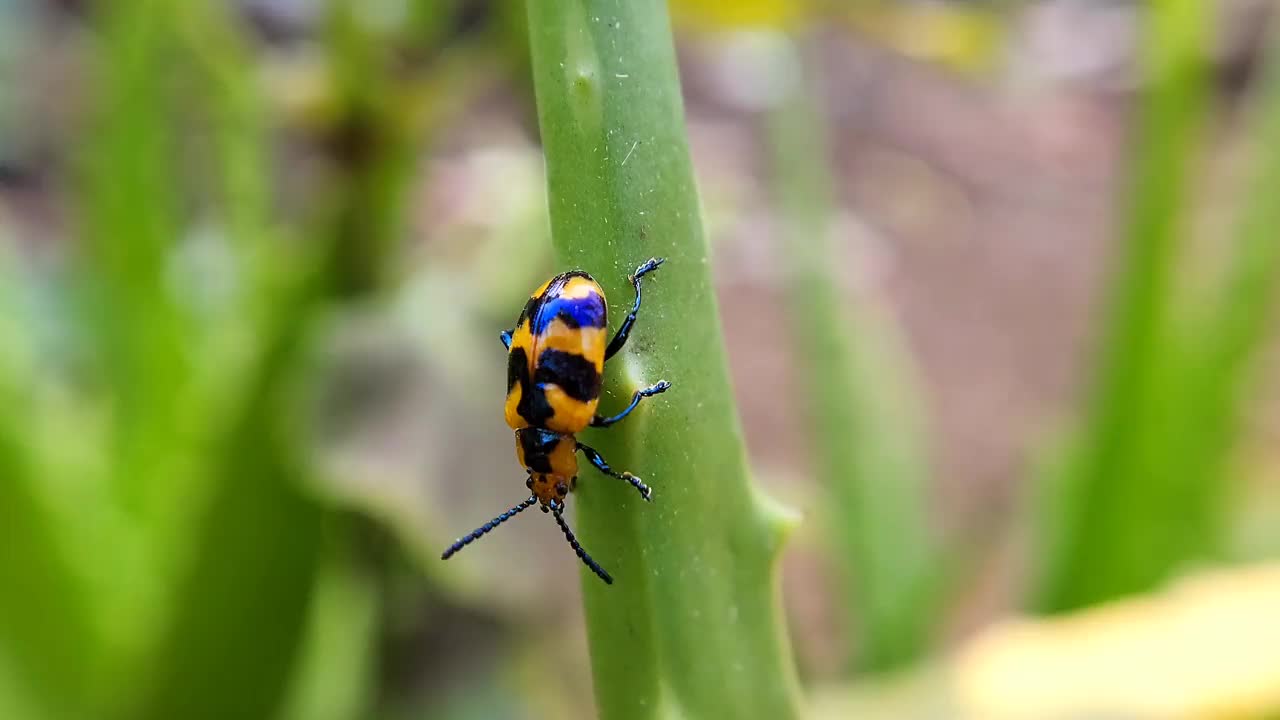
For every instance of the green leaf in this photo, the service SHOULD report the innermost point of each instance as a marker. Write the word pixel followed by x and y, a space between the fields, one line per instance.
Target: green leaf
pixel 691 627
pixel 1221 347
pixel 1112 502
pixel 130 225
pixel 335 677
pixel 238 600
pixel 49 646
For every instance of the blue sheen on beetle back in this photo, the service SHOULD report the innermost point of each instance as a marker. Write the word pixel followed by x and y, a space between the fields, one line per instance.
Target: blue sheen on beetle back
pixel 575 312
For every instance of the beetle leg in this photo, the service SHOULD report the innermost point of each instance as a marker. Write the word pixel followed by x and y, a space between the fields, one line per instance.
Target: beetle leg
pixel 659 387
pixel 645 491
pixel 620 338
pixel 505 337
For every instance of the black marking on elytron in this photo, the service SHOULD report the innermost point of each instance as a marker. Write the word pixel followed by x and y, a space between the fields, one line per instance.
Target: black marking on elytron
pixel 530 307
pixel 532 406
pixel 517 368
pixel 575 375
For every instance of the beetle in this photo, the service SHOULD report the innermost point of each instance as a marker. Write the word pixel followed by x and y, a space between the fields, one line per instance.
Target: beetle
pixel 555 364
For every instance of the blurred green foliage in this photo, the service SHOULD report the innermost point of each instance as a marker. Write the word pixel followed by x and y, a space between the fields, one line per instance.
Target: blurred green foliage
pixel 172 543
pixel 1139 494
pixel 187 464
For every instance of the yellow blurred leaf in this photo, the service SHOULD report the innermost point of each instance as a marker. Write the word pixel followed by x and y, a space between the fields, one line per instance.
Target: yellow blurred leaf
pixel 706 15
pixel 1206 648
pixel 952 34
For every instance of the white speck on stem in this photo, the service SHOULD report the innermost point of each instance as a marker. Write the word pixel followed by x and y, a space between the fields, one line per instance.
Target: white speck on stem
pixel 621 75
pixel 633 149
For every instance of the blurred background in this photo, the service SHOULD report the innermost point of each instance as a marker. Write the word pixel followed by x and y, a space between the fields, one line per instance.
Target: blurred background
pixel 254 256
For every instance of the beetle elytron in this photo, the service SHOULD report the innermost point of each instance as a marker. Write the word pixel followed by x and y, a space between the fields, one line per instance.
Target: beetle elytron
pixel 555 361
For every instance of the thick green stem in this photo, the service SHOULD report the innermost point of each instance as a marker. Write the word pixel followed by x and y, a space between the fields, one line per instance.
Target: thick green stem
pixel 691 627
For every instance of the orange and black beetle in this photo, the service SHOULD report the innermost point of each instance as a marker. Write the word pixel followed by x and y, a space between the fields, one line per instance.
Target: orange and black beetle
pixel 555 362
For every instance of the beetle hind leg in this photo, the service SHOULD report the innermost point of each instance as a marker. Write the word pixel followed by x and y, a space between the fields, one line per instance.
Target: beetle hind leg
pixel 645 491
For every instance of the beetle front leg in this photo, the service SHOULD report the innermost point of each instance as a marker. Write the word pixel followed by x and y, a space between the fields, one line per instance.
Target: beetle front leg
pixel 645 491
pixel 624 331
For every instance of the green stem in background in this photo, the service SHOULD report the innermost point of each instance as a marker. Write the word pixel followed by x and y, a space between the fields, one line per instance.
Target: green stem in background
pixel 130 226
pixel 691 628
pixel 394 89
pixel 230 644
pixel 335 676
pixel 1221 347
pixel 374 150
pixel 47 634
pixel 240 638
pixel 867 441
pixel 1106 510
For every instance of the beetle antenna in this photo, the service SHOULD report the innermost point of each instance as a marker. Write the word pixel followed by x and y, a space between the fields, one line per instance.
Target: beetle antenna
pixel 573 543
pixel 480 531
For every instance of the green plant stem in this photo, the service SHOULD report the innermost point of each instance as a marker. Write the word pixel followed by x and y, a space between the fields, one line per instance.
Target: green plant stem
pixel 1221 348
pixel 867 440
pixel 1104 513
pixel 691 628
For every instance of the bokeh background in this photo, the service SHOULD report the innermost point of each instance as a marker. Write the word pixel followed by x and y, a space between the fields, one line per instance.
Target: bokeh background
pixel 254 257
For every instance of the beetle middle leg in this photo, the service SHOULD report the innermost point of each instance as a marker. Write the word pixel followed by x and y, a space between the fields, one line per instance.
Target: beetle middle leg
pixel 659 387
pixel 620 338
pixel 645 491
